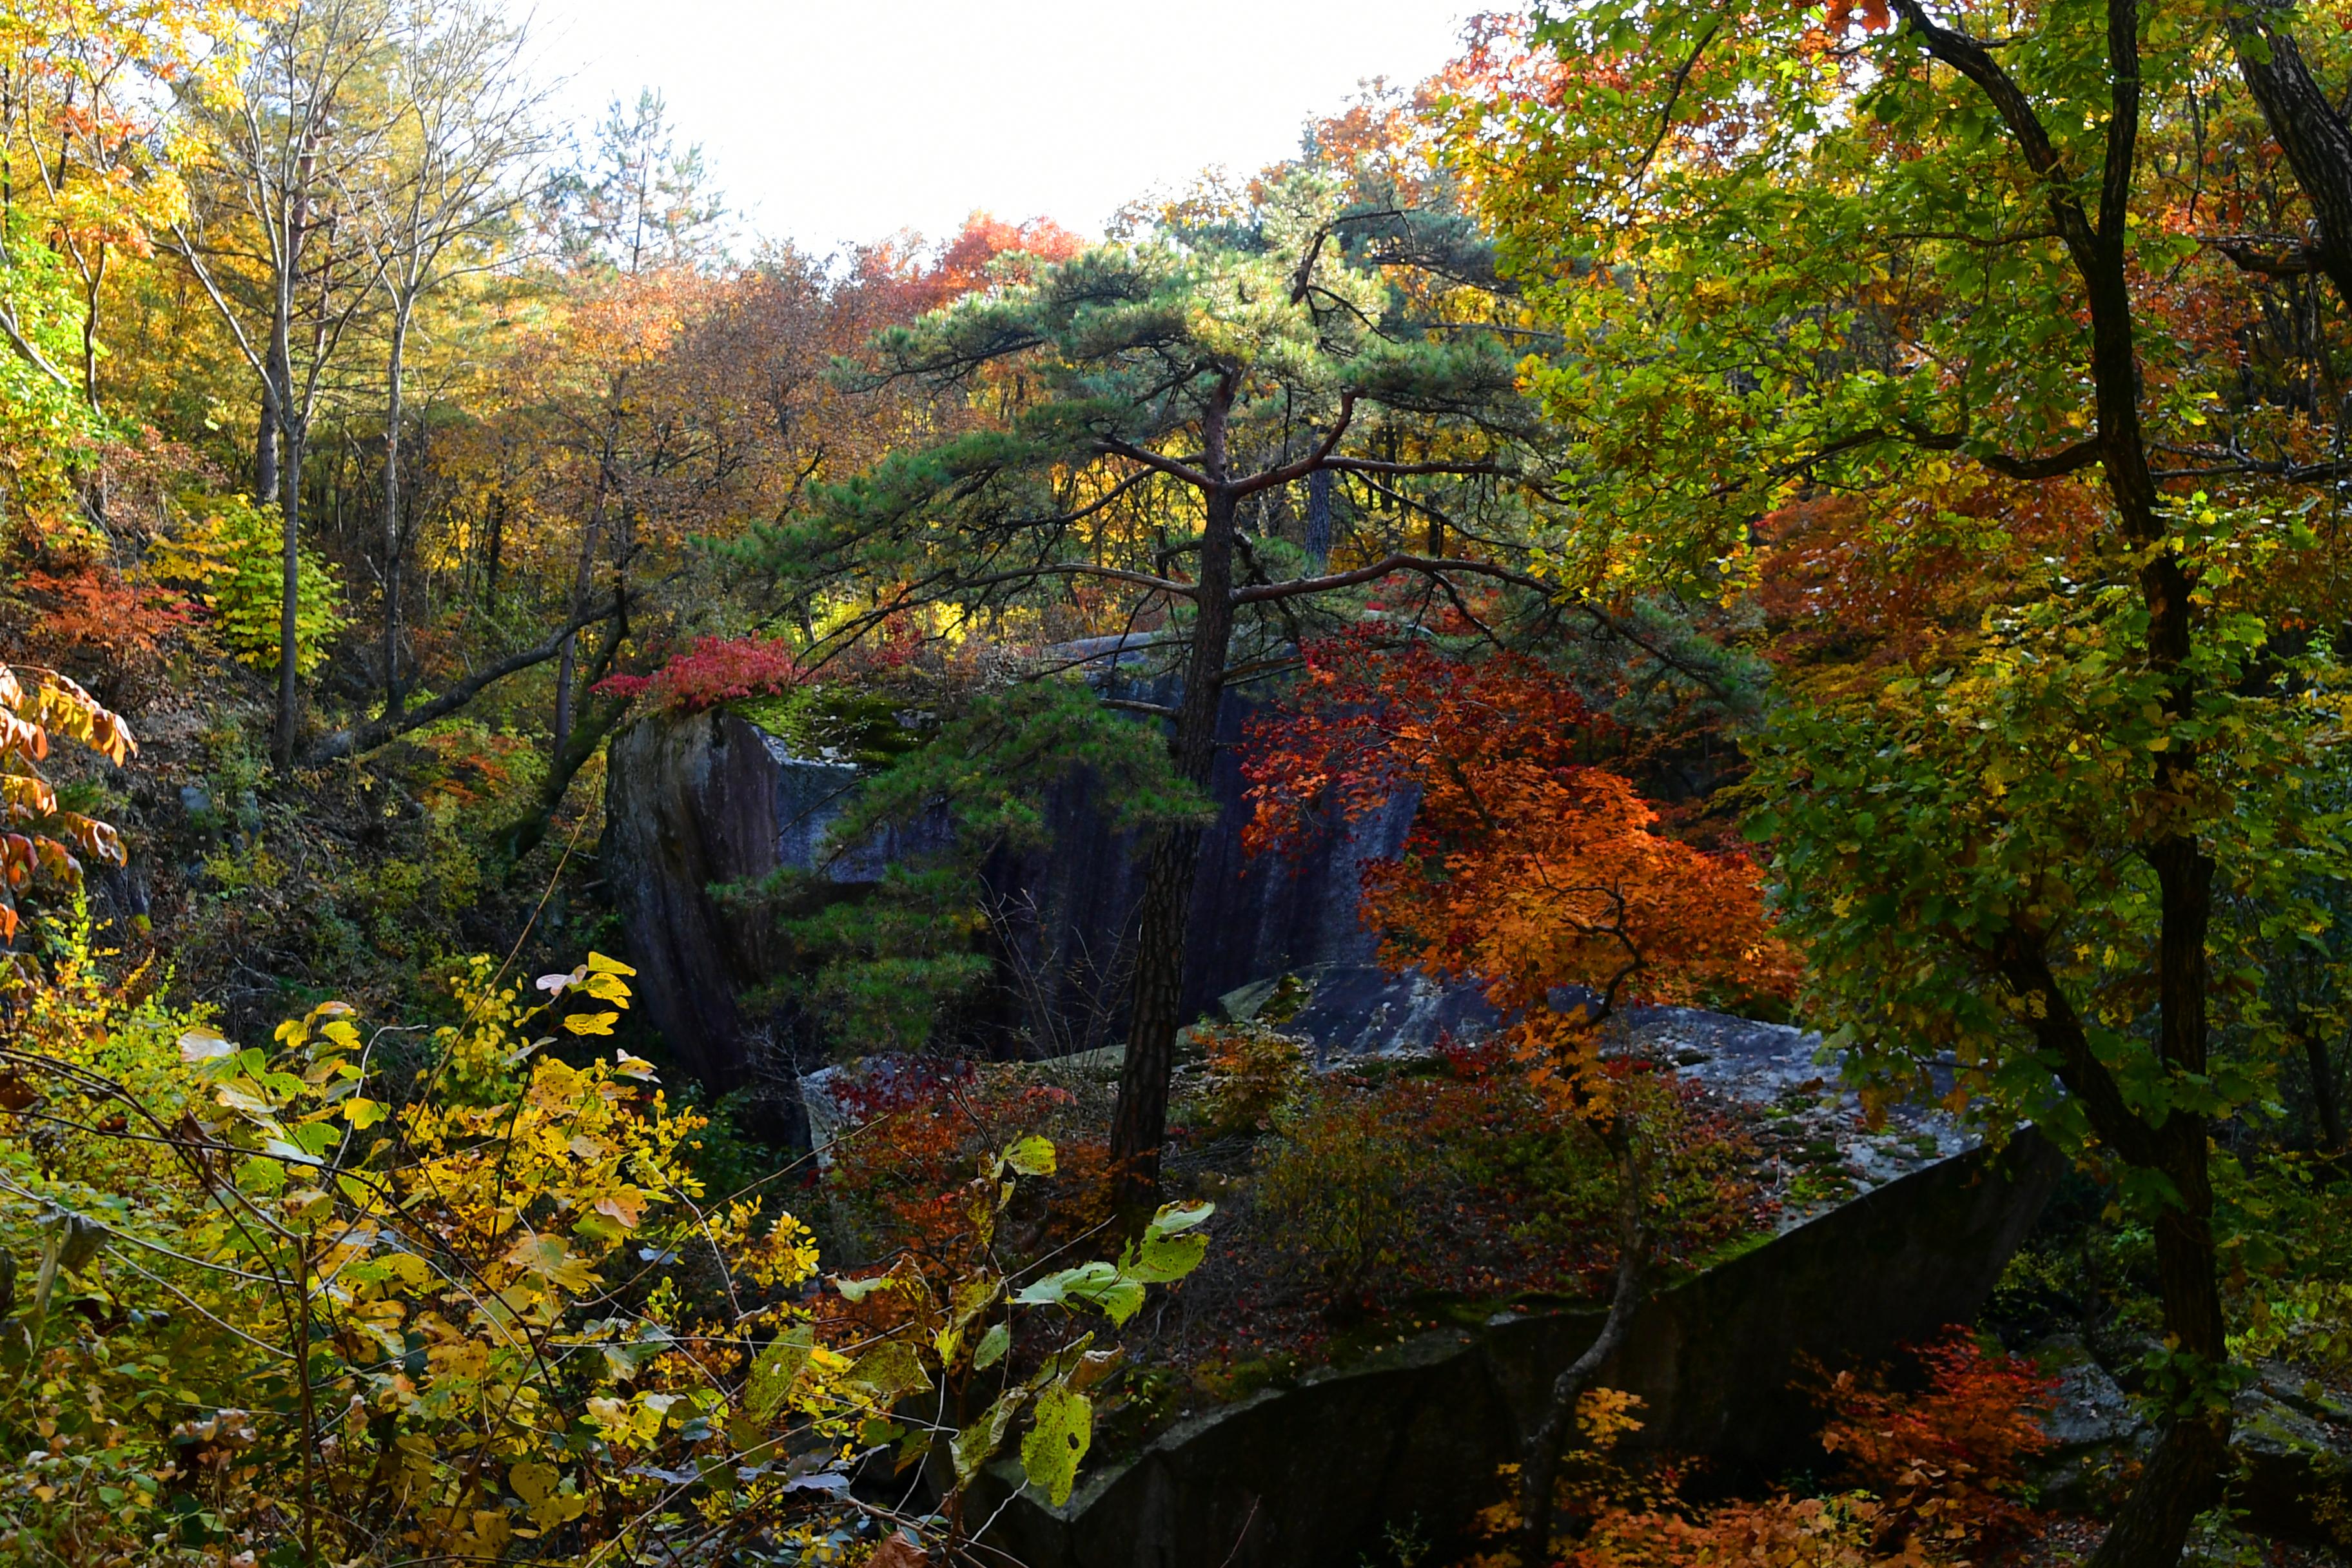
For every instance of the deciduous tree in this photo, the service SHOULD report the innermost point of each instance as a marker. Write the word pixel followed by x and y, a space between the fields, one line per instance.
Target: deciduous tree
pixel 1968 270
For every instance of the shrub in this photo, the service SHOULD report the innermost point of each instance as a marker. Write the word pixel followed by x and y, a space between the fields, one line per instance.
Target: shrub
pixel 1337 1190
pixel 289 1303
pixel 1951 1457
pixel 231 553
pixel 1250 1071
pixel 1470 1180
pixel 714 670
pixel 1933 1477
pixel 915 1126
pixel 95 617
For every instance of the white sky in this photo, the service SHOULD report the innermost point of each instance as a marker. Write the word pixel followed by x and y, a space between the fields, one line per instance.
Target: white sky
pixel 827 124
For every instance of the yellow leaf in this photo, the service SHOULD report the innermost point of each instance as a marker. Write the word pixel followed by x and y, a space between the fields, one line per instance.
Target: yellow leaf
pixel 591 1023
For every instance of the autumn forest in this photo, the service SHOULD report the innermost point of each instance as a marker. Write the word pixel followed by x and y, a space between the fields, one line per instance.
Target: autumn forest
pixel 1606 826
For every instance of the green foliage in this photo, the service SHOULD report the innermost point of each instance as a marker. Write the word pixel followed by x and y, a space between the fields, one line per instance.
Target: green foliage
pixel 880 965
pixel 231 552
pixel 45 424
pixel 880 969
pixel 2290 1261
pixel 988 770
pixel 959 1332
pixel 1471 1180
pixel 244 1285
pixel 841 720
pixel 1338 1187
pixel 1032 514
pixel 1918 825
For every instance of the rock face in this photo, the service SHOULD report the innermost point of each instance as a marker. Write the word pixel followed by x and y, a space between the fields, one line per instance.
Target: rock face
pixel 1313 1475
pixel 708 798
pixel 2290 1442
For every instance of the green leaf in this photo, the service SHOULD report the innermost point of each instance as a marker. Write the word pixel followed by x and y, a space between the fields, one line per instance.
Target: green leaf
pixel 888 1372
pixel 1032 1156
pixel 1051 1452
pixel 993 1346
pixel 1167 1251
pixel 777 1369
pixel 978 1442
pixel 859 1290
pixel 1098 1285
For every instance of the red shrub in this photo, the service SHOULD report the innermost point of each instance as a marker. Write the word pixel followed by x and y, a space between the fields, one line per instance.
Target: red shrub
pixel 715 671
pixel 98 622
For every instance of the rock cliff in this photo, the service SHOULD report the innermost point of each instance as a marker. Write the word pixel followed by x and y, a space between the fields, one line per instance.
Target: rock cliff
pixel 698 800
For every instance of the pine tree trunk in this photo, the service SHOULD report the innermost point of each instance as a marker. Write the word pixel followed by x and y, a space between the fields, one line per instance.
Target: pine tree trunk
pixel 1139 1126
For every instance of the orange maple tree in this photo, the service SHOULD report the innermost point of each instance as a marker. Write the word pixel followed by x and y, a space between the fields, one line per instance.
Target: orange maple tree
pixel 1534 870
pixel 1527 867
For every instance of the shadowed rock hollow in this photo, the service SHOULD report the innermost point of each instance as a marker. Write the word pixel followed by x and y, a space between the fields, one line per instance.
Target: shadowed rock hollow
pixel 703 799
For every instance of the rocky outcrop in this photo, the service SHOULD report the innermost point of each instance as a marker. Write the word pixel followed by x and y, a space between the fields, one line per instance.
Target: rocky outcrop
pixel 1902 1227
pixel 2290 1474
pixel 695 800
pixel 692 801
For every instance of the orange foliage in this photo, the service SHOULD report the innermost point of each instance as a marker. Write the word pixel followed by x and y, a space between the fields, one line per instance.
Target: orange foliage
pixel 963 266
pixel 1952 1457
pixel 1933 1479
pixel 1527 866
pixel 91 615
pixel 1853 586
pixel 1779 1533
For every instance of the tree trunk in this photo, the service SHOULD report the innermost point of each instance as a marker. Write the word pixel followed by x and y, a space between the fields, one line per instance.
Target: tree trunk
pixel 265 444
pixel 566 671
pixel 1539 1460
pixel 290 569
pixel 280 385
pixel 520 837
pixel 497 508
pixel 2317 139
pixel 1140 1125
pixel 2324 1104
pixel 2183 1476
pixel 392 693
pixel 567 668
